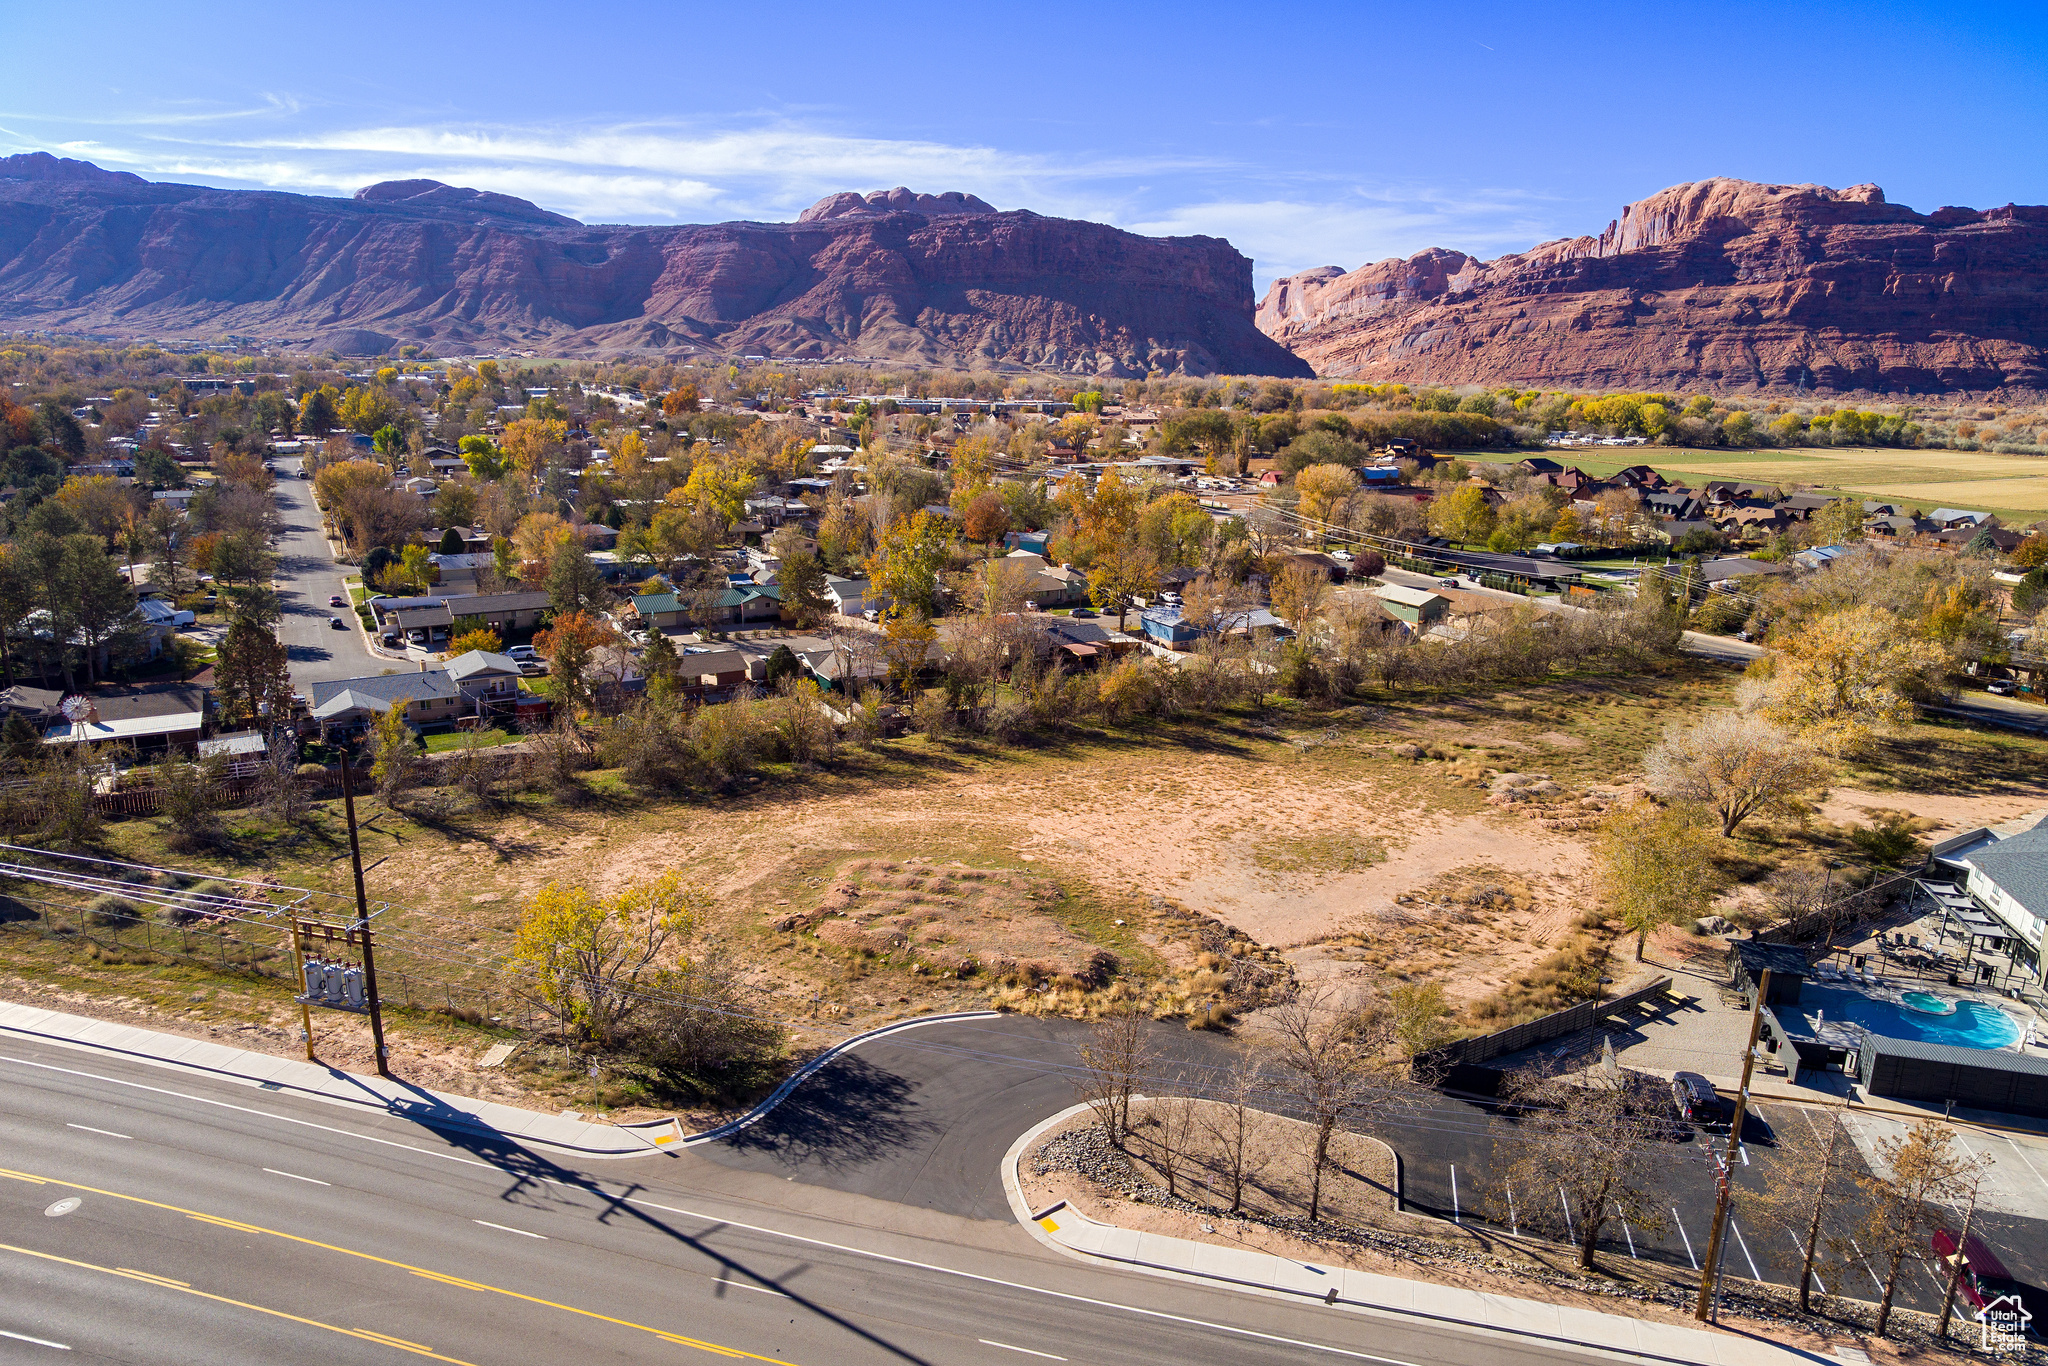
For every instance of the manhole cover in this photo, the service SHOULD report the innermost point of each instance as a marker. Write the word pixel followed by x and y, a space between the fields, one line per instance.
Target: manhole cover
pixel 63 1207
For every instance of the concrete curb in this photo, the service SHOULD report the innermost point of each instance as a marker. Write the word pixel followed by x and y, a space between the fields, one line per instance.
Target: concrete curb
pixel 1089 1240
pixel 416 1104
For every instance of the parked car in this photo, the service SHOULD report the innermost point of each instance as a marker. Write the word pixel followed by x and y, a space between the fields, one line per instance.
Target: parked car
pixel 1447 583
pixel 1696 1098
pixel 522 653
pixel 1082 612
pixel 2001 687
pixel 336 600
pixel 1984 1277
pixel 337 623
pixel 532 668
pixel 304 474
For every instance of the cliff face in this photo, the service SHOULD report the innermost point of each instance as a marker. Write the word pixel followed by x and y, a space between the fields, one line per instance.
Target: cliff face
pixel 940 280
pixel 1722 284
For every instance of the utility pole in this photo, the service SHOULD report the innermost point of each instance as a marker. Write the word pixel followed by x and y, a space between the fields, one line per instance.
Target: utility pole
pixel 299 980
pixel 355 858
pixel 1710 1279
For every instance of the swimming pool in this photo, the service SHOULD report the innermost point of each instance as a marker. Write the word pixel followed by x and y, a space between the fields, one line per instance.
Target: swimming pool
pixel 1973 1025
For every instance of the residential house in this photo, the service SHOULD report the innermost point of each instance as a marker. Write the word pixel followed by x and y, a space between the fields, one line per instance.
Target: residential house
pixel 1032 541
pixel 1330 569
pixel 424 626
pixel 1803 505
pixel 1728 572
pixel 1537 464
pixel 39 705
pixel 428 698
pixel 2004 871
pixel 1724 492
pixel 1820 556
pixel 1641 478
pixel 487 680
pixel 849 596
pixel 1949 519
pixel 149 716
pixel 1418 607
pixel 1892 525
pixel 1673 504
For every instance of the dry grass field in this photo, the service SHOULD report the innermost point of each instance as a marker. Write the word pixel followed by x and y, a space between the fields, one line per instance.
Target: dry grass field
pixel 2013 486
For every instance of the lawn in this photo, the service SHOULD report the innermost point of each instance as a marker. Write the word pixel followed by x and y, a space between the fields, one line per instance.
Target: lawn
pixel 452 740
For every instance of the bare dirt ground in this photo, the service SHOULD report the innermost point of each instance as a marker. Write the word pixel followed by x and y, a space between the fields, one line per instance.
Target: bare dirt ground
pixel 1953 812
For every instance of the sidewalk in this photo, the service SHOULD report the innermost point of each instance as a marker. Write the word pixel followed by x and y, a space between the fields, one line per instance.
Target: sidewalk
pixel 1069 1231
pixel 395 1096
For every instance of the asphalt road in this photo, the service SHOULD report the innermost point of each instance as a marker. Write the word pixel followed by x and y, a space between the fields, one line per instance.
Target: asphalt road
pixel 218 1224
pixel 307 575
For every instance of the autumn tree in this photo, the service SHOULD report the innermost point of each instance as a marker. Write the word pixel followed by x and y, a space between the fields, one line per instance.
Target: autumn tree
pixel 568 644
pixel 1462 516
pixel 907 636
pixel 1910 1180
pixel 1122 571
pixel 1846 677
pixel 905 566
pixel 1655 866
pixel 486 462
pixel 395 751
pixel 1299 591
pixel 1806 1172
pixel 532 443
pixel 1737 763
pixel 986 520
pixel 1602 1154
pixel 802 580
pixel 588 954
pixel 1326 493
pixel 1839 523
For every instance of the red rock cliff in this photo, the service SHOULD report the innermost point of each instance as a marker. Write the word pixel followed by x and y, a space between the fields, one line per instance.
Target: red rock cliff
pixel 1722 284
pixel 940 280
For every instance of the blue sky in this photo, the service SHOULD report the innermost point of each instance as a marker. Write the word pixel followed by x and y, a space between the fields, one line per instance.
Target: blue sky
pixel 1308 134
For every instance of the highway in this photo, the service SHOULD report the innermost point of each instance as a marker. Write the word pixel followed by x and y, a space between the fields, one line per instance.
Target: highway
pixel 214 1223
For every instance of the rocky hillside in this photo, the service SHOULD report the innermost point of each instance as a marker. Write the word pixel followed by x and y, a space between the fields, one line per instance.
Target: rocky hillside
pixel 1723 284
pixel 942 280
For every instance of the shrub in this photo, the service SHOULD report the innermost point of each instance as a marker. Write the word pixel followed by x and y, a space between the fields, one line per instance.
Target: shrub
pixel 111 910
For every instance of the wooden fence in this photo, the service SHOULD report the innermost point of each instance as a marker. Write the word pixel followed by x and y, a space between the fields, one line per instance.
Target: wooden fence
pixel 1439 1063
pixel 25 812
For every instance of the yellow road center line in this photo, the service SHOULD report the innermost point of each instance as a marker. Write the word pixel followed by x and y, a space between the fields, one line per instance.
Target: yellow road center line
pixel 396 1342
pixel 711 1347
pixel 182 1288
pixel 152 1276
pixel 24 1176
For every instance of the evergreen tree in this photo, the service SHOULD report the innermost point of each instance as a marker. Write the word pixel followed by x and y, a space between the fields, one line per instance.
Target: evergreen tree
pixel 803 590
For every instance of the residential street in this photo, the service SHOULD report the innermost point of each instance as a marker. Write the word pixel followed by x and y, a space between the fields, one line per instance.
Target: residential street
pixel 306 576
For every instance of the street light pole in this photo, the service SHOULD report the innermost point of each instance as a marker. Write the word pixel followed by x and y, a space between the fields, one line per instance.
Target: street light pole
pixel 1710 1278
pixel 355 858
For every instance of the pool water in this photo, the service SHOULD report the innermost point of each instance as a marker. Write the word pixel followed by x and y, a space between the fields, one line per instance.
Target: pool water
pixel 1973 1025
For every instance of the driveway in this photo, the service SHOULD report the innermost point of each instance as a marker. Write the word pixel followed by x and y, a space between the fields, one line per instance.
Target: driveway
pixel 306 576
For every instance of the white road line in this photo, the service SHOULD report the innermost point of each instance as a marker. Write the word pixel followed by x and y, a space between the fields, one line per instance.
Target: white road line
pixel 1625 1230
pixel 40 1342
pixel 595 1186
pixel 757 1289
pixel 296 1177
pixel 1744 1242
pixel 1688 1240
pixel 1800 1250
pixel 108 1132
pixel 503 1229
pixel 2021 1153
pixel 991 1342
pixel 1457 1217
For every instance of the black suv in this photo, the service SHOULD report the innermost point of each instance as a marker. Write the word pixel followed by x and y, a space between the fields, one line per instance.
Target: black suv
pixel 1695 1098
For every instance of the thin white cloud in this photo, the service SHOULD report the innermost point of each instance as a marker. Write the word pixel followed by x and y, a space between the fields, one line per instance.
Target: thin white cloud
pixel 643 172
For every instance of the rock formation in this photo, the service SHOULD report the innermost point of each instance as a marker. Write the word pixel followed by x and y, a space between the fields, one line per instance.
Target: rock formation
pixel 942 280
pixel 1720 285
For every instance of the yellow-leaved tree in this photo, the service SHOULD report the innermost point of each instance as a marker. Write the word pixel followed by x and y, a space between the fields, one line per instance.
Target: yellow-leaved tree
pixel 1462 515
pixel 1656 866
pixel 1846 677
pixel 588 953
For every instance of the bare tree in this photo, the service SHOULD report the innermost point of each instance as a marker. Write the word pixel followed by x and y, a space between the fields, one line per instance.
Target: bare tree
pixel 1595 1146
pixel 1970 1185
pixel 1909 1176
pixel 1230 1122
pixel 1113 1061
pixel 477 767
pixel 1736 762
pixel 1335 1059
pixel 1172 1127
pixel 1804 1174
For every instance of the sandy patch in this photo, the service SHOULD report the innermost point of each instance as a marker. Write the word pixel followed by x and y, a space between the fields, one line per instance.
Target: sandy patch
pixel 1954 812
